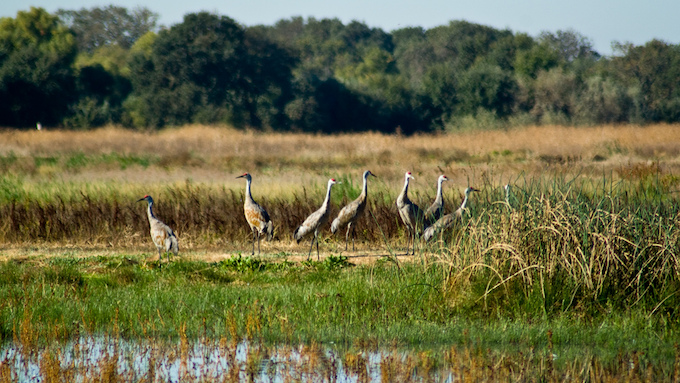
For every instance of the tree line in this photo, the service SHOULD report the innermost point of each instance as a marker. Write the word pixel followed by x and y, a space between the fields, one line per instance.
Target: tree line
pixel 111 65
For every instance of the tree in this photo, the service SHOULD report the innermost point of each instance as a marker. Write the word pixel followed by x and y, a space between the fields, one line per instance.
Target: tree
pixel 653 68
pixel 209 69
pixel 569 45
pixel 488 87
pixel 36 78
pixel 112 25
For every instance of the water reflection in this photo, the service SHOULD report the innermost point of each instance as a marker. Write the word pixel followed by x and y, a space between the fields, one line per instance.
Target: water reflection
pixel 105 358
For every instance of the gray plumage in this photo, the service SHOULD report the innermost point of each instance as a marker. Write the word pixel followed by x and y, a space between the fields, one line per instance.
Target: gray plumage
pixel 449 220
pixel 350 213
pixel 256 216
pixel 411 215
pixel 436 210
pixel 161 234
pixel 315 220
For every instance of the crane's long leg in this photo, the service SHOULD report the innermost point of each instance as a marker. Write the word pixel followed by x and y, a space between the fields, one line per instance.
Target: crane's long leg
pixel 258 244
pixel 353 236
pixel 317 246
pixel 414 242
pixel 160 256
pixel 311 244
pixel 349 227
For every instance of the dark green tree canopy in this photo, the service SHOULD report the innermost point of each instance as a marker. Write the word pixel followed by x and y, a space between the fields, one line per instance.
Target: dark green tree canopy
pixel 207 68
pixel 36 78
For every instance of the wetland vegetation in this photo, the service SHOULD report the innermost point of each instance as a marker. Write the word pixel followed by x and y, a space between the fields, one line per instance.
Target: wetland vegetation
pixel 584 258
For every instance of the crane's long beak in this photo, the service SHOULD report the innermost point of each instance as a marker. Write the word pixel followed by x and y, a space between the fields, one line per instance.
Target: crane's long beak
pixel 141 199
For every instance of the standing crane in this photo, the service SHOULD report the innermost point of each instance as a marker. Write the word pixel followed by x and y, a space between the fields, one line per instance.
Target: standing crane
pixel 436 210
pixel 256 216
pixel 448 220
pixel 161 234
pixel 410 213
pixel 350 213
pixel 315 220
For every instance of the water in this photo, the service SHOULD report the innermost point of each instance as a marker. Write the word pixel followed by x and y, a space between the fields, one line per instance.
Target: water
pixel 103 358
pixel 165 361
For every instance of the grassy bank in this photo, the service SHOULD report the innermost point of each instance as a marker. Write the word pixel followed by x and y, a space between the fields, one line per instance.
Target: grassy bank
pixel 327 302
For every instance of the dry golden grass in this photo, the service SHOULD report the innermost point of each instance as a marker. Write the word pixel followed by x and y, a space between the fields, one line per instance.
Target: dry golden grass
pixel 285 160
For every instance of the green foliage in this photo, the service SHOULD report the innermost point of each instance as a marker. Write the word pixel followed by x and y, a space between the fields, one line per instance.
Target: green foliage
pixel 318 75
pixel 36 78
pixel 99 27
pixel 209 69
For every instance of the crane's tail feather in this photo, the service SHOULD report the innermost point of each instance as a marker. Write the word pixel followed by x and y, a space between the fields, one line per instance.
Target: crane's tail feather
pixel 335 225
pixel 429 232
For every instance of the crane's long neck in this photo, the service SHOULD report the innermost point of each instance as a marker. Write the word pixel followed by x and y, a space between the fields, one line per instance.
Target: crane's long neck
pixel 439 198
pixel 404 192
pixel 249 196
pixel 326 201
pixel 364 190
pixel 462 205
pixel 149 211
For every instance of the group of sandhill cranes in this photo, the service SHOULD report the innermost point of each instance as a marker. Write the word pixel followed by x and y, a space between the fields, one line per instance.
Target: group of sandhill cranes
pixel 433 220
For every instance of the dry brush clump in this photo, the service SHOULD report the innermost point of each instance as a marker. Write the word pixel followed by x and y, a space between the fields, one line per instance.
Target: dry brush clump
pixel 561 246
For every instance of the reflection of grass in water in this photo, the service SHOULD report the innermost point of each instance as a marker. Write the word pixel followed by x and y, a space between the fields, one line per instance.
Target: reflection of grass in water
pixel 151 359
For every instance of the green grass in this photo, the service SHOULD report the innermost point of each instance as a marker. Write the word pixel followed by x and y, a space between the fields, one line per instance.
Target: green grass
pixel 328 301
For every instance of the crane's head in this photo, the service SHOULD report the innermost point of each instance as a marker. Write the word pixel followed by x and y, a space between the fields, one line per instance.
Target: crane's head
pixel 368 173
pixel 408 175
pixel 470 189
pixel 246 176
pixel 146 198
pixel 443 178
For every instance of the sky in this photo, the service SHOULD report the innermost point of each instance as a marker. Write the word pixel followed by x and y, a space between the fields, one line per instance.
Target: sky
pixel 601 21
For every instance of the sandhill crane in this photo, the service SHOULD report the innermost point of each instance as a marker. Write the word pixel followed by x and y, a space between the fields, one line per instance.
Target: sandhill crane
pixel 410 213
pixel 448 220
pixel 315 220
pixel 256 216
pixel 161 234
pixel 436 210
pixel 352 212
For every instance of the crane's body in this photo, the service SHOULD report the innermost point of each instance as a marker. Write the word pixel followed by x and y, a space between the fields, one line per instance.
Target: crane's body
pixel 449 220
pixel 161 234
pixel 257 218
pixel 436 210
pixel 411 215
pixel 315 220
pixel 350 213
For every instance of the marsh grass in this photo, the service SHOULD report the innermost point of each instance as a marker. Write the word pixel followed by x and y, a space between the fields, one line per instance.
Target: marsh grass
pixel 298 312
